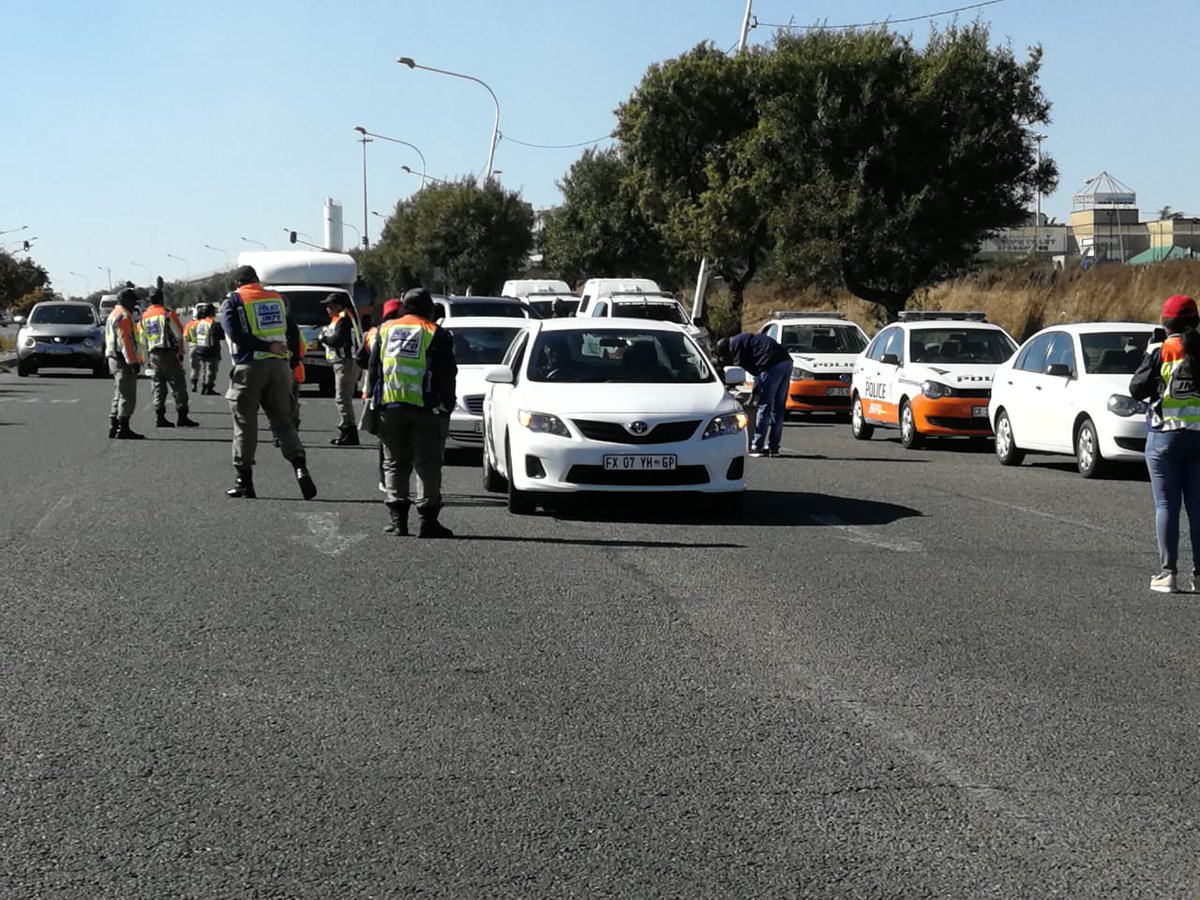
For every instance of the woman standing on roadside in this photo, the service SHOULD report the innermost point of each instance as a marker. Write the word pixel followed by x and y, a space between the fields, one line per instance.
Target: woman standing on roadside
pixel 1166 379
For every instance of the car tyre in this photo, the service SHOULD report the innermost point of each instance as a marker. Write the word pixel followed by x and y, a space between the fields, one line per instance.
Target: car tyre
pixel 520 503
pixel 910 438
pixel 858 423
pixel 493 481
pixel 26 367
pixel 1088 459
pixel 1007 450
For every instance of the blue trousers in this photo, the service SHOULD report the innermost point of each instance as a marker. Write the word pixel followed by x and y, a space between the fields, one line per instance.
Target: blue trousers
pixel 770 389
pixel 1173 458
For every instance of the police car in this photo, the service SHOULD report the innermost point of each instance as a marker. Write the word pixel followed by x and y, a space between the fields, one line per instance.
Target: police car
pixel 930 375
pixel 824 347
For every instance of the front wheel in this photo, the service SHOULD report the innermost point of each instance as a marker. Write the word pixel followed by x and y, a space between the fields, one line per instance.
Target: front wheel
pixel 520 503
pixel 493 481
pixel 909 436
pixel 1007 450
pixel 858 424
pixel 1088 460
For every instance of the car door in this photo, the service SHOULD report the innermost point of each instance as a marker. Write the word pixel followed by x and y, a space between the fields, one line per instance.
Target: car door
pixel 1058 396
pixel 878 383
pixel 498 404
pixel 1018 386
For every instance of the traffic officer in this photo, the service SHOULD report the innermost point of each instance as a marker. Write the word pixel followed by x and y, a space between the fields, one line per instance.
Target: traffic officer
pixel 207 337
pixel 771 365
pixel 266 345
pixel 164 344
pixel 339 338
pixel 392 309
pixel 189 340
pixel 120 348
pixel 412 377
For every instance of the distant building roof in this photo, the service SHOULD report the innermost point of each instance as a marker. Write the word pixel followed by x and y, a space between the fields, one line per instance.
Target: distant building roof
pixel 1158 254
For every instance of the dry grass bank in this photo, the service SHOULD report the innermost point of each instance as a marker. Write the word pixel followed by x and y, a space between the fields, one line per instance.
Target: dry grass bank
pixel 1020 299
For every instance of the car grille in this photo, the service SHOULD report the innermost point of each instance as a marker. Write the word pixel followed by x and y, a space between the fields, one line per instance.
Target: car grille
pixel 822 400
pixel 59 341
pixel 598 475
pixel 616 433
pixel 474 404
pixel 965 423
pixel 976 393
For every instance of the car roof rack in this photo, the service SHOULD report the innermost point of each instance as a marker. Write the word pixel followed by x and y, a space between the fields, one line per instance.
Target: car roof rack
pixel 938 315
pixel 807 314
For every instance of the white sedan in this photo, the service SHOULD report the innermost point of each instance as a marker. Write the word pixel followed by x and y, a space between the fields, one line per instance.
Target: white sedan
pixel 603 404
pixel 1067 391
pixel 480 343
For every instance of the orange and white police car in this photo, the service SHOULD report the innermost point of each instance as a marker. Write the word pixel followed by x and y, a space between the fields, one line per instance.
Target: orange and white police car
pixel 824 346
pixel 930 375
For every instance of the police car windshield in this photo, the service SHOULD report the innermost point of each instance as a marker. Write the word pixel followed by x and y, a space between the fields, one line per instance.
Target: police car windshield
pixel 617 355
pixel 304 307
pixel 481 346
pixel 959 346
pixel 822 339
pixel 1113 352
pixel 62 315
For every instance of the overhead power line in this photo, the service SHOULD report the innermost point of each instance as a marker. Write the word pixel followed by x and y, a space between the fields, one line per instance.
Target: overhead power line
pixel 934 15
pixel 505 137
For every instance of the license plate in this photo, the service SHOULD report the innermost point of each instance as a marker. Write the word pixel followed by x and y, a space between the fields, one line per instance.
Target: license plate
pixel 54 348
pixel 979 412
pixel 639 463
pixel 837 392
pixel 479 428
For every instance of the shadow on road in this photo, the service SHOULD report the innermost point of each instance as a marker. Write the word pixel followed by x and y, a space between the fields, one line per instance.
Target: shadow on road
pixel 583 542
pixel 849 459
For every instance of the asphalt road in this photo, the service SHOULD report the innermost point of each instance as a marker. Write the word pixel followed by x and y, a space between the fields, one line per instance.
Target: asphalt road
pixel 902 674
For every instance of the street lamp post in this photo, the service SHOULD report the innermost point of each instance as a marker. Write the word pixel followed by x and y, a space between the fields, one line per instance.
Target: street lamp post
pixel 364 140
pixel 425 177
pixel 107 271
pixel 408 61
pixel 149 273
pixel 219 250
pixel 252 241
pixel 14 230
pixel 186 265
pixel 384 137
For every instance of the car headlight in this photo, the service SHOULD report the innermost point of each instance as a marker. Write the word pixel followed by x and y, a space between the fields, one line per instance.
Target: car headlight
pixel 799 374
pixel 543 423
pixel 89 343
pixel 935 390
pixel 30 342
pixel 729 423
pixel 1125 406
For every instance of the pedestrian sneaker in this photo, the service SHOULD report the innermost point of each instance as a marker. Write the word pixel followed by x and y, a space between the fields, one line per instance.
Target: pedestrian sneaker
pixel 758 454
pixel 1164 583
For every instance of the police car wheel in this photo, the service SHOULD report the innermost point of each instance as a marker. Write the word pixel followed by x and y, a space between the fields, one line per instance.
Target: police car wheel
pixel 1087 451
pixel 1007 450
pixel 909 436
pixel 858 425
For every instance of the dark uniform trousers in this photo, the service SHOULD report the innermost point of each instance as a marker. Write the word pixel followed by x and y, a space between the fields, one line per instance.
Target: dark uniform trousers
pixel 265 383
pixel 168 372
pixel 124 400
pixel 345 377
pixel 413 440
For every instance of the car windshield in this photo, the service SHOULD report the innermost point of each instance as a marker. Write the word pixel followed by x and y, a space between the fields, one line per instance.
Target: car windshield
pixel 1113 352
pixel 304 307
pixel 62 315
pixel 475 346
pixel 822 339
pixel 464 308
pixel 959 346
pixel 554 308
pixel 611 355
pixel 656 310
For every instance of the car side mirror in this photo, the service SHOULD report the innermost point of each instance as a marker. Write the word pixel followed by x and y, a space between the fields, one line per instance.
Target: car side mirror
pixel 499 375
pixel 20 320
pixel 1058 370
pixel 1158 336
pixel 890 359
pixel 734 375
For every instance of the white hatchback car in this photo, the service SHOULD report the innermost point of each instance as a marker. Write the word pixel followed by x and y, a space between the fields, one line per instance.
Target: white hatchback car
pixel 480 343
pixel 586 404
pixel 1067 391
pixel 824 348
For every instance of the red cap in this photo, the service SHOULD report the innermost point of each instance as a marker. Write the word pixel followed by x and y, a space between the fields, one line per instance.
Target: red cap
pixel 1180 306
pixel 392 306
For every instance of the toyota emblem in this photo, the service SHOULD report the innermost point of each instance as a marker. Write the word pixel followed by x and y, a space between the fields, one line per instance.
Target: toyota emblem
pixel 638 427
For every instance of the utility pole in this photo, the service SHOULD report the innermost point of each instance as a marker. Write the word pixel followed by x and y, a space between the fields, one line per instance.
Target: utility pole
pixel 745 26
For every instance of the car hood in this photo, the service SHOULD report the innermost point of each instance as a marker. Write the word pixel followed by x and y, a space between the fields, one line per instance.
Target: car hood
pixel 625 399
pixel 825 362
pixel 470 380
pixel 973 375
pixel 55 330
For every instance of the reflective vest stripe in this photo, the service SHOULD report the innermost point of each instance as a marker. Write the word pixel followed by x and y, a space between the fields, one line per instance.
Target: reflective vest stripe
pixel 266 317
pixel 118 337
pixel 1182 412
pixel 404 348
pixel 200 332
pixel 154 326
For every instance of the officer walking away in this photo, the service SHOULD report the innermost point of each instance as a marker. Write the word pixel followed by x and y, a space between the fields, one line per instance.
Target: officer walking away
pixel 411 377
pixel 338 339
pixel 207 337
pixel 164 344
pixel 121 350
pixel 392 309
pixel 189 340
pixel 266 344
pixel 771 365
pixel 1167 379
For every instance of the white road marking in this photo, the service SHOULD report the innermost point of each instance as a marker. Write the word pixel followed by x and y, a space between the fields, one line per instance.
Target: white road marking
pixel 1027 509
pixel 60 504
pixel 323 534
pixel 860 535
pixel 36 400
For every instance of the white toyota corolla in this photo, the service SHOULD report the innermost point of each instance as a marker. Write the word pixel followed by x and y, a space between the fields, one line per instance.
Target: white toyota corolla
pixel 603 404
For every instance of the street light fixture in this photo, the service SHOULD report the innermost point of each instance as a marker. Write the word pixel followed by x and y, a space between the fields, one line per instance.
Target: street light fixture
pixel 356 231
pixel 149 272
pixel 87 284
pixel 384 137
pixel 187 265
pixel 425 177
pixel 14 230
pixel 252 241
pixel 219 250
pixel 408 61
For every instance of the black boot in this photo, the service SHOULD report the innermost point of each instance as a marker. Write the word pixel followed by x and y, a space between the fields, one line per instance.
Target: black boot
pixel 125 433
pixel 347 437
pixel 244 485
pixel 161 420
pixel 184 422
pixel 399 513
pixel 430 526
pixel 113 426
pixel 307 487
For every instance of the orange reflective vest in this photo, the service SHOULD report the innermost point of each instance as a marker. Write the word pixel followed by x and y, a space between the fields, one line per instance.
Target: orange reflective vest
pixel 298 369
pixel 118 336
pixel 162 329
pixel 368 343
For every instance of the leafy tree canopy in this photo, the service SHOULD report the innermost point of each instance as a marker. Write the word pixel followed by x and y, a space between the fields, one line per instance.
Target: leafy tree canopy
pixel 19 278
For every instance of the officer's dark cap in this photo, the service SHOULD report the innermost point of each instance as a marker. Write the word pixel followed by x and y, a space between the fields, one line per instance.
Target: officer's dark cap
pixel 418 302
pixel 128 298
pixel 335 299
pixel 245 275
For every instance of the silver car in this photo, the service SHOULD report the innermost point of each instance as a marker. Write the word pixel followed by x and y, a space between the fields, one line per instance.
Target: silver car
pixel 61 334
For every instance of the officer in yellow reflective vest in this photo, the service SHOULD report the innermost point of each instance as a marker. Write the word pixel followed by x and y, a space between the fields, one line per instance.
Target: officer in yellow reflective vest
pixel 411 380
pixel 164 343
pixel 340 338
pixel 266 345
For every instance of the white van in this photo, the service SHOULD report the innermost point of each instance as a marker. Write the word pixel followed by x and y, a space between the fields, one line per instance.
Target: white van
pixel 522 287
pixel 658 307
pixel 107 302
pixel 595 288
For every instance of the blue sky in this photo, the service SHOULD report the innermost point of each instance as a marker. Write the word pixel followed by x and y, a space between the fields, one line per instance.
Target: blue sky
pixel 134 129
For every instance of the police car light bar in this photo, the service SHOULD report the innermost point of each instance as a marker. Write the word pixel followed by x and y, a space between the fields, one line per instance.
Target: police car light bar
pixel 936 315
pixel 807 314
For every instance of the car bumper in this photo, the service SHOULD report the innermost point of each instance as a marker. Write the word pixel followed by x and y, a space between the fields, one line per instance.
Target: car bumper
pixel 818 396
pixel 466 430
pixel 565 465
pixel 1122 438
pixel 74 356
pixel 948 416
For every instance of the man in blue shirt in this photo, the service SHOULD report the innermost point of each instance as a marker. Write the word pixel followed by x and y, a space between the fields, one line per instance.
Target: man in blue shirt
pixel 771 365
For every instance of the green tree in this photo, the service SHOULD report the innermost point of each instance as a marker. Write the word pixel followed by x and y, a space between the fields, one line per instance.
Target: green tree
pixel 600 229
pixel 20 278
pixel 888 164
pixel 685 132
pixel 455 237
